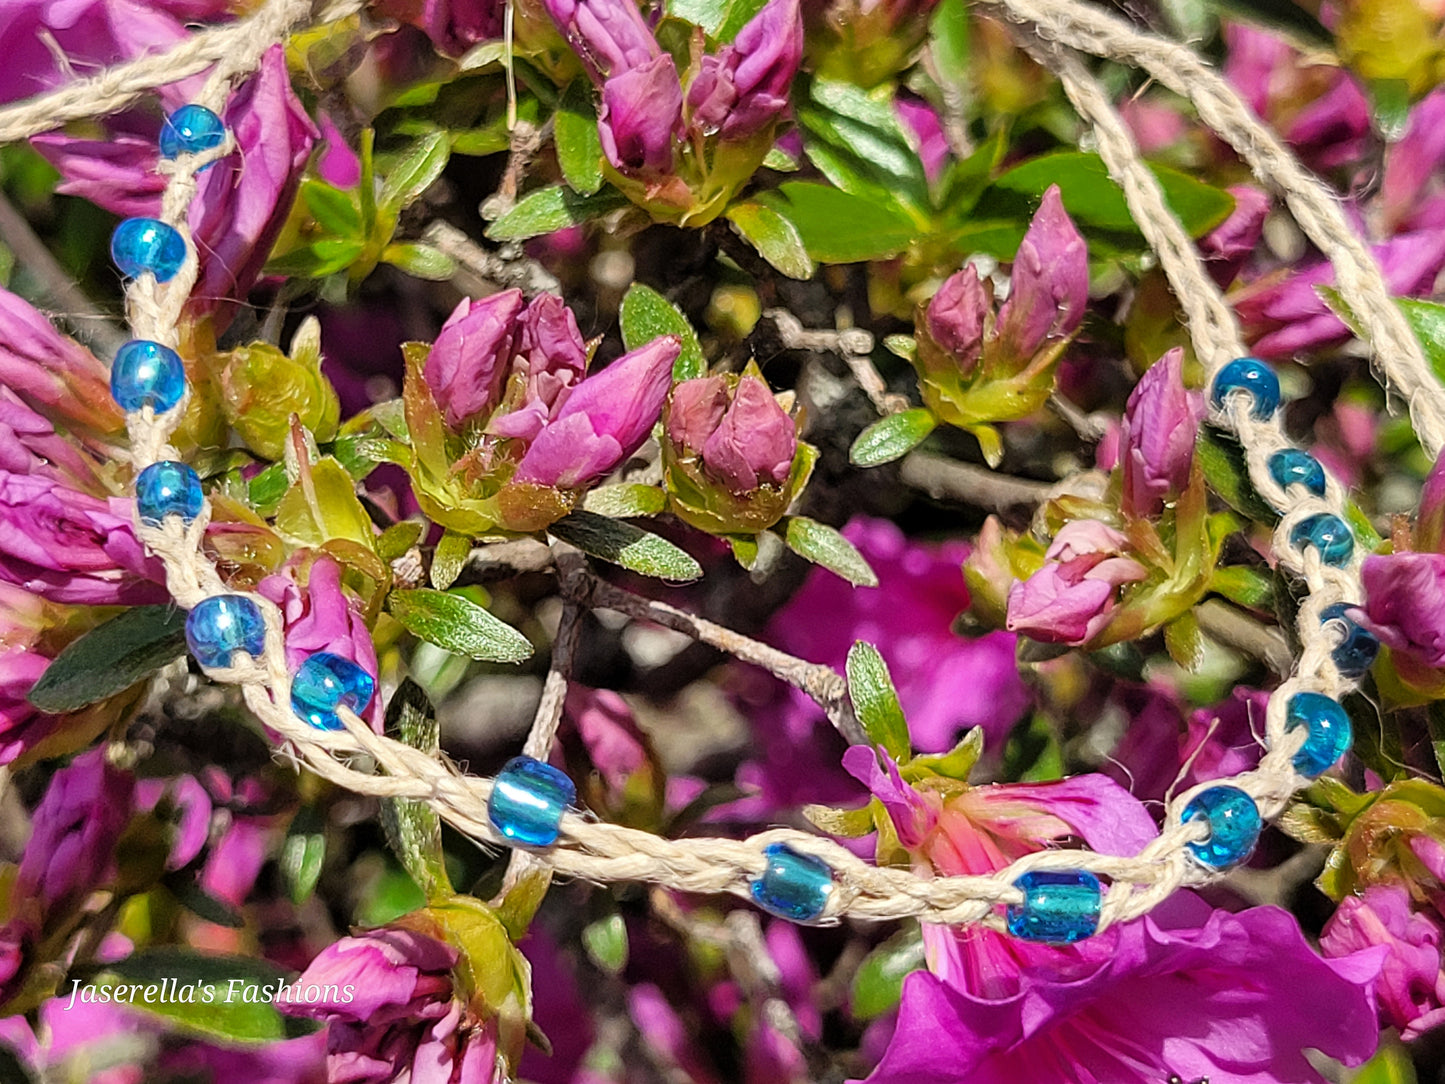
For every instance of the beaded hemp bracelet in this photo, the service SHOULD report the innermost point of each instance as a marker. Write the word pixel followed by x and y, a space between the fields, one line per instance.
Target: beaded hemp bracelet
pixel 1050 896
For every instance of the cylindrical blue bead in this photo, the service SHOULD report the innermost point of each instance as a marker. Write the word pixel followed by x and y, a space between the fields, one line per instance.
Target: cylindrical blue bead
pixel 1250 375
pixel 1289 466
pixel 528 800
pixel 1234 825
pixel 146 373
pixel 168 489
pixel 1329 732
pixel 326 682
pixel 793 885
pixel 1058 908
pixel 190 130
pixel 139 245
pixel 1328 534
pixel 1356 653
pixel 221 625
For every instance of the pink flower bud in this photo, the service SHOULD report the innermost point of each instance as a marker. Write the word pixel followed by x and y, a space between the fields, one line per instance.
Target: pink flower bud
pixel 1073 596
pixel 53 374
pixel 955 317
pixel 1228 245
pixel 1050 282
pixel 745 443
pixel 472 354
pixel 744 86
pixel 609 36
pixel 604 420
pixel 551 358
pixel 1405 608
pixel 1161 421
pixel 641 117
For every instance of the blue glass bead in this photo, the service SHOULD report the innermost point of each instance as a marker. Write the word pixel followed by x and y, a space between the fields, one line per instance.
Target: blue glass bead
pixel 1290 465
pixel 1234 826
pixel 528 800
pixel 1329 732
pixel 1328 534
pixel 146 373
pixel 325 683
pixel 793 885
pixel 139 245
pixel 1356 653
pixel 168 489
pixel 190 130
pixel 221 625
pixel 1253 376
pixel 1059 907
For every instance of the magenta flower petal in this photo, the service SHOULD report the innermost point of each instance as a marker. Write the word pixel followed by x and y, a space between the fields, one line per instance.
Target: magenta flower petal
pixel 472 355
pixel 1050 282
pixel 641 117
pixel 1160 424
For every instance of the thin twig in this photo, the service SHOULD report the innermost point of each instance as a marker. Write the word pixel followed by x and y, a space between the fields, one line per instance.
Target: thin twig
pixel 504 268
pixel 947 479
pixel 570 566
pixel 1234 628
pixel 503 560
pixel 852 344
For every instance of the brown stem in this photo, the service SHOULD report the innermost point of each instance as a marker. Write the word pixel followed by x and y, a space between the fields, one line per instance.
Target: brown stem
pixel 1234 628
pixel 947 479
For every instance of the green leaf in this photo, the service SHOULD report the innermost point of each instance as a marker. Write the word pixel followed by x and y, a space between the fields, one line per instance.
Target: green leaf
pixel 646 314
pixel 892 437
pixel 1281 15
pixel 420 261
pixel 335 211
pixel 606 943
pixel 1252 587
pixel 196 900
pixel 303 853
pixel 579 150
pixel 1427 321
pixel 449 559
pixel 1184 641
pixel 870 687
pixel 849 823
pixel 1389 107
pixel 1094 200
pixel 878 983
pixel 824 546
pixel 626 501
pixel 839 228
pixel 398 538
pixel 719 19
pixel 949 42
pixel 1222 460
pixel 550 209
pixel 623 544
pixel 318 259
pixel 1390 1065
pixel 110 658
pixel 775 238
pixel 413 829
pixel 957 763
pixel 323 505
pixel 458 624
pixel 227 981
pixel 857 142
pixel 1032 753
pixel 414 173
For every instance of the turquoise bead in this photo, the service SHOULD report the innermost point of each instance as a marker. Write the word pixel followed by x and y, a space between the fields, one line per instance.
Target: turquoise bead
pixel 222 625
pixel 139 245
pixel 1328 534
pixel 190 130
pixel 1329 732
pixel 1234 826
pixel 1250 375
pixel 793 885
pixel 1355 654
pixel 147 374
pixel 1290 466
pixel 1058 908
pixel 325 683
pixel 528 800
pixel 168 489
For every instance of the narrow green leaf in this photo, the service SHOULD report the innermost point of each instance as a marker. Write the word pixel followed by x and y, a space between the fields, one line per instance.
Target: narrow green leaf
pixel 550 209
pixel 415 173
pixel 878 983
pixel 892 437
pixel 398 538
pixel 196 900
pixel 849 823
pixel 1222 460
pixel 875 700
pixel 837 227
pixel 317 260
pixel 579 150
pixel 218 997
pixel 110 658
pixel 626 501
pixel 449 559
pixel 957 763
pixel 824 546
pixel 458 624
pixel 420 261
pixel 1390 1065
pixel 606 943
pixel 1252 587
pixel 1427 320
pixel 775 238
pixel 623 544
pixel 303 853
pixel 949 42
pixel 645 314
pixel 413 829
pixel 335 211
pixel 719 19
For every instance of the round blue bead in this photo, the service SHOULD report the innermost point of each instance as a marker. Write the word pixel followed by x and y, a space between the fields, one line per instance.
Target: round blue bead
pixel 1058 908
pixel 1250 375
pixel 327 682
pixel 1234 825
pixel 793 885
pixel 1290 466
pixel 190 130
pixel 147 374
pixel 528 800
pixel 221 625
pixel 1356 653
pixel 1328 534
pixel 1329 732
pixel 168 489
pixel 139 245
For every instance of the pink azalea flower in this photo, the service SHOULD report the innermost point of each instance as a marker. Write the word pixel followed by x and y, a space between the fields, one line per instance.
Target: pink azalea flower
pixel 1073 596
pixel 551 358
pixel 1160 424
pixel 472 355
pixel 1050 287
pixel 743 87
pixel 1226 247
pixel 925 130
pixel 53 374
pixel 641 117
pixel 742 442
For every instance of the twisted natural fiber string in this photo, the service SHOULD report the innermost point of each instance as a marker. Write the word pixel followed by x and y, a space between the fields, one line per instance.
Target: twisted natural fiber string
pixel 1397 353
